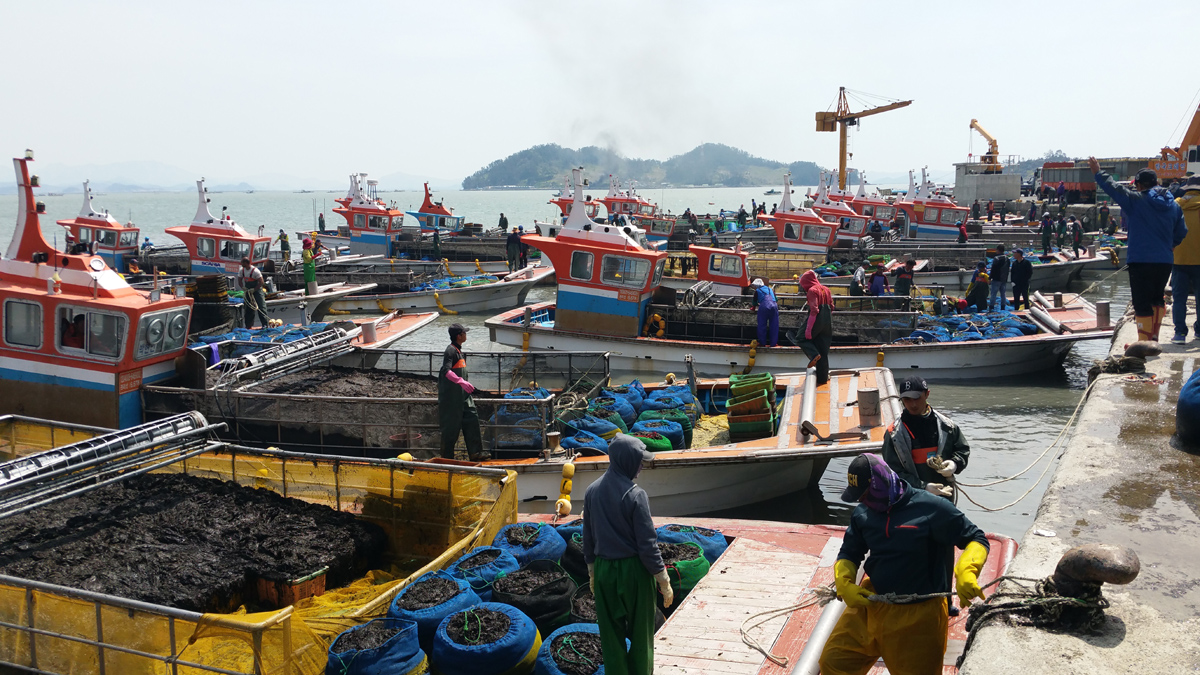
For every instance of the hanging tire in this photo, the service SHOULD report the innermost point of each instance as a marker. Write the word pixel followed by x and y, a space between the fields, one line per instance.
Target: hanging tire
pixel 428 618
pixel 400 654
pixel 548 604
pixel 514 653
pixel 481 577
pixel 710 541
pixel 544 543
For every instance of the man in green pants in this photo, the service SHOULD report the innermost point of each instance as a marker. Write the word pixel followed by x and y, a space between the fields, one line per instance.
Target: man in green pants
pixel 620 547
pixel 456 408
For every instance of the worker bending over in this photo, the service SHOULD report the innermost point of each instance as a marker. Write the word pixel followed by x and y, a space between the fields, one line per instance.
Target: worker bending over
pixel 911 536
pixel 620 547
pixel 254 301
pixel 456 407
pixel 768 314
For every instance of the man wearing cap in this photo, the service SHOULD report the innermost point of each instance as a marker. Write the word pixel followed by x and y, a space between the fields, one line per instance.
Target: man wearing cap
pixel 620 547
pixel 924 447
pixel 512 246
pixel 456 407
pixel 999 276
pixel 1047 232
pixel 285 247
pixel 1156 227
pixel 1185 273
pixel 768 314
pixel 1021 273
pixel 910 536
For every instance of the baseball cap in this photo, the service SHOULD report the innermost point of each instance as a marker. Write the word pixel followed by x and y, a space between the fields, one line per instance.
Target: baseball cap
pixel 1146 177
pixel 457 328
pixel 913 386
pixel 858 477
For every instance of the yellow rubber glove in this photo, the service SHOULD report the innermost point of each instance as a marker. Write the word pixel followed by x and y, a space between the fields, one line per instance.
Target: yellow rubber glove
pixel 966 573
pixel 851 593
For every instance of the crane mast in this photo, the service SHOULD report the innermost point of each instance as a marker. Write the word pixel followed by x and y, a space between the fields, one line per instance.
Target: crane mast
pixel 990 159
pixel 843 118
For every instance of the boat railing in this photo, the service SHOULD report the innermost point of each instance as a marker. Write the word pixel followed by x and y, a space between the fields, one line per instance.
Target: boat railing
pixel 21 435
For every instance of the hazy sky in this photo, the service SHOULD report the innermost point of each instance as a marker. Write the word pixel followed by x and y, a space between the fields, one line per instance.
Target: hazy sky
pixel 322 89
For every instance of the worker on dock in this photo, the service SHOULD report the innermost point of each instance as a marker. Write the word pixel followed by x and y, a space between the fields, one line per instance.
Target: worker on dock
pixel 456 406
pixel 910 536
pixel 1047 230
pixel 254 301
pixel 921 434
pixel 1185 273
pixel 999 275
pixel 818 327
pixel 512 246
pixel 285 246
pixel 1021 273
pixel 620 547
pixel 767 307
pixel 904 277
pixel 1156 227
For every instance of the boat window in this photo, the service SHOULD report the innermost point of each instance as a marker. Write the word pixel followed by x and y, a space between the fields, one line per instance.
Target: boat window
pixel 648 209
pixel 856 225
pixel 106 238
pixel 377 222
pixel 260 250
pixel 661 226
pixel 161 332
pixel 726 265
pixel 106 332
pixel 360 221
pixel 791 231
pixel 23 323
pixel 817 233
pixel 829 219
pixel 868 210
pixel 618 270
pixel 232 249
pixel 885 212
pixel 581 265
pixel 72 328
pixel 658 272
pixel 129 239
pixel 931 215
pixel 205 247
pixel 949 216
pixel 85 235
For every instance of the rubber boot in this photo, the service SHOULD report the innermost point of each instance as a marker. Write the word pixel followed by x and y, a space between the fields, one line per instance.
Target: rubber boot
pixel 1160 312
pixel 1145 327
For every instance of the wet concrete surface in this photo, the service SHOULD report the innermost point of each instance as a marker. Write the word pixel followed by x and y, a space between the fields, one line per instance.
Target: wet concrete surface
pixel 1122 480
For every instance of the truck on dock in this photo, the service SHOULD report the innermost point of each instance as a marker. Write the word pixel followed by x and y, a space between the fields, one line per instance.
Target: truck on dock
pixel 1078 178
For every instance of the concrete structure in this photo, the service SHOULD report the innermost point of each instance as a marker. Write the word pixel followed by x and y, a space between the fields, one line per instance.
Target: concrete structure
pixel 1122 480
pixel 970 183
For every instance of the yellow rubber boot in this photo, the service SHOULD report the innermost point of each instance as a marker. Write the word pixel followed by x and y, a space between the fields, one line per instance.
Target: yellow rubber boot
pixel 1159 314
pixel 1145 327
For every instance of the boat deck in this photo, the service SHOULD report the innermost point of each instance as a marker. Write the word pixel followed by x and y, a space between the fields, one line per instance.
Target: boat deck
pixel 769 566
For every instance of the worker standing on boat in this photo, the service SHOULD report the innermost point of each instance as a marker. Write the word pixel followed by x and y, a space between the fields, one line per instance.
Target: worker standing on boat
pixel 503 224
pixel 975 210
pixel 991 210
pixel 999 275
pixel 818 327
pixel 1156 227
pixel 522 250
pixel 1075 230
pixel 1107 225
pixel 924 433
pixel 620 547
pixel 910 536
pixel 437 243
pixel 285 246
pixel 456 407
pixel 321 222
pixel 962 232
pixel 859 281
pixel 1047 232
pixel 1032 217
pixel 904 277
pixel 878 283
pixel 768 314
pixel 254 301
pixel 308 258
pixel 512 246
pixel 1021 273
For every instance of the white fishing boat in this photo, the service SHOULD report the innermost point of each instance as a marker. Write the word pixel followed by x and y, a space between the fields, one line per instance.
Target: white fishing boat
pixel 509 291
pixel 296 307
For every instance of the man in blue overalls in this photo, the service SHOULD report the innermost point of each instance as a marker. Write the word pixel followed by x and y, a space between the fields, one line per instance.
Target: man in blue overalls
pixel 768 314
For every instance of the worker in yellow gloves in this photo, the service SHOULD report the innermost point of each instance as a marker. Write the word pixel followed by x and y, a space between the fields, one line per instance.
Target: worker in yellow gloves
pixel 908 533
pixel 620 547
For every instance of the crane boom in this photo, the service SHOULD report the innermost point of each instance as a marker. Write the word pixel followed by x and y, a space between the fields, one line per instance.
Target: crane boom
pixel 1190 137
pixel 990 159
pixel 838 121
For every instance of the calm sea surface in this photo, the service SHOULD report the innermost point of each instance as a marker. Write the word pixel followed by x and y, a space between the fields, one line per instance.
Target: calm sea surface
pixel 1008 421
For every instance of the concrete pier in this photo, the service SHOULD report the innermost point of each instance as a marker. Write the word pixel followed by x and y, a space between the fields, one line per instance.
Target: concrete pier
pixel 1122 480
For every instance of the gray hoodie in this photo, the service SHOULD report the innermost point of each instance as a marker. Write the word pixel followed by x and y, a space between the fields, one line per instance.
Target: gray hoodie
pixel 616 513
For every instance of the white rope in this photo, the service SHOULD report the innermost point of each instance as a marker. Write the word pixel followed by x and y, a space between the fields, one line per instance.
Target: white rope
pixel 821 595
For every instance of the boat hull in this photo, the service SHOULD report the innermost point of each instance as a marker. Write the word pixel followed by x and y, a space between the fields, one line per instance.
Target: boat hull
pixel 503 294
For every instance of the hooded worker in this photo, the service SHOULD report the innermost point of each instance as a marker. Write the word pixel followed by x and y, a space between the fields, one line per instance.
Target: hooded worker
pixel 620 547
pixel 818 328
pixel 910 535
pixel 768 314
pixel 456 407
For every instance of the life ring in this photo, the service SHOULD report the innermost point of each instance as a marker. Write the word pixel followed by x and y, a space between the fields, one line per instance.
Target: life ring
pixel 655 320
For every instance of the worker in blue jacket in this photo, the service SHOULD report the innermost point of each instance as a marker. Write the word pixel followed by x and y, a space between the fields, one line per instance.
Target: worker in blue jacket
pixel 910 535
pixel 1156 227
pixel 768 314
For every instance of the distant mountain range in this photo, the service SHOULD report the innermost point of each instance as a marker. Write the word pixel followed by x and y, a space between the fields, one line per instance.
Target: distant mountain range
pixel 544 166
pixel 159 177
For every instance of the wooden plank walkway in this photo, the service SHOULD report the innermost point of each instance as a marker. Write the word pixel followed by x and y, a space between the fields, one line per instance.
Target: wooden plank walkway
pixel 704 634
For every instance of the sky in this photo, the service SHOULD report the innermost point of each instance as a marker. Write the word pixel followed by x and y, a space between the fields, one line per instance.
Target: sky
pixel 317 90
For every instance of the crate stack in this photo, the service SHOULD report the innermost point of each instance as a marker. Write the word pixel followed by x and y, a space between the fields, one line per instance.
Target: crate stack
pixel 751 407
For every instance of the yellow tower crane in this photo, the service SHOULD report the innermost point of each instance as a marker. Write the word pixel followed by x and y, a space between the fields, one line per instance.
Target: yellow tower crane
pixel 990 159
pixel 838 121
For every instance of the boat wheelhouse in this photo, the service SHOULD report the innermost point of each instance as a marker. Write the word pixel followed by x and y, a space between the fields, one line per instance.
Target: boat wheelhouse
pixel 217 245
pixel 100 234
pixel 565 200
pixel 850 225
pixel 436 216
pixel 874 208
pixel 639 211
pixel 78 341
pixel 928 214
pixel 373 225
pixel 799 229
